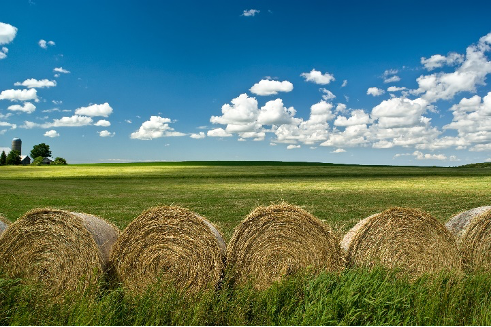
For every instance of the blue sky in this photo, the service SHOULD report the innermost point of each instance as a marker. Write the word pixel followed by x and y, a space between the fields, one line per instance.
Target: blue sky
pixel 380 82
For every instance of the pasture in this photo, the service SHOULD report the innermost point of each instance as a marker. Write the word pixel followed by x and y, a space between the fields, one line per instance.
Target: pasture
pixel 224 193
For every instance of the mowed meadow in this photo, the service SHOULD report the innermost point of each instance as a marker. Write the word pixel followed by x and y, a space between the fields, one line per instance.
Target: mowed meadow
pixel 225 193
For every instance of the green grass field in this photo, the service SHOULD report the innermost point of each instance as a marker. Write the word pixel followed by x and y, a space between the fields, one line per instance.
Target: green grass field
pixel 225 192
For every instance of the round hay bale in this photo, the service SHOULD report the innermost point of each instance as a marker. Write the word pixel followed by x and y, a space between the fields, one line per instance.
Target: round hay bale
pixel 169 244
pixel 475 237
pixel 458 224
pixel 279 240
pixel 408 239
pixel 4 223
pixel 64 251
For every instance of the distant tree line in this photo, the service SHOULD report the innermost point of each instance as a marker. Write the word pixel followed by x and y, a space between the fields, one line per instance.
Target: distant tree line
pixel 38 153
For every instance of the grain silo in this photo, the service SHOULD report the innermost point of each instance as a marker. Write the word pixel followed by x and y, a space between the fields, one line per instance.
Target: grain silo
pixel 17 145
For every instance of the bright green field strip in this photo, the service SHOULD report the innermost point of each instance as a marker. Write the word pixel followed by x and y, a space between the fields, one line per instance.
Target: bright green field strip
pixel 226 169
pixel 226 194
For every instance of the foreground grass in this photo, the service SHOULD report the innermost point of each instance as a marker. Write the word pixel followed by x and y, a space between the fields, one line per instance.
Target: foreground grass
pixel 225 193
pixel 353 297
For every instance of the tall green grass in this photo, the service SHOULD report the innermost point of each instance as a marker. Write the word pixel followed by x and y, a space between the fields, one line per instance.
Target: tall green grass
pixel 353 297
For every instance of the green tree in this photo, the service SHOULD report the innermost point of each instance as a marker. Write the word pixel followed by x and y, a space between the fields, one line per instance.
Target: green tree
pixel 13 158
pixel 40 150
pixel 3 159
pixel 38 161
pixel 59 161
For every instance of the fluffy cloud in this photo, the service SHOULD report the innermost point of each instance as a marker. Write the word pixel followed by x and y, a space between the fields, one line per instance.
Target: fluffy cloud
pixel 396 89
pixel 3 53
pixel 27 107
pixel 292 146
pixel 437 61
pixel 250 12
pixel 19 95
pixel 390 76
pixel 375 91
pixel 73 121
pixel 269 87
pixel 106 134
pixel 399 112
pixel 61 70
pixel 472 121
pixel 328 95
pixel 472 72
pixel 345 82
pixel 103 123
pixel 7 33
pixel 426 156
pixel 103 110
pixel 275 113
pixel 243 110
pixel 43 44
pixel 317 77
pixel 197 136
pixel 358 117
pixel 339 151
pixel 5 124
pixel 218 132
pixel 51 133
pixel 154 128
pixel 33 83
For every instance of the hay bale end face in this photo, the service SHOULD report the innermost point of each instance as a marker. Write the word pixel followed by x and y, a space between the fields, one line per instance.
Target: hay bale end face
pixel 279 240
pixel 404 238
pixel 57 249
pixel 169 244
pixel 458 224
pixel 474 237
pixel 4 223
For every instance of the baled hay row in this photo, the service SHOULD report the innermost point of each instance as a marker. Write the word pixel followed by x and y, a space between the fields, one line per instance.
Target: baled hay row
pixel 408 239
pixel 279 240
pixel 458 224
pixel 4 223
pixel 169 244
pixel 475 241
pixel 64 251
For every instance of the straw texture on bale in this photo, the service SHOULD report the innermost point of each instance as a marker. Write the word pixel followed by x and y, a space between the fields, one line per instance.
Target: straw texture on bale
pixel 474 237
pixel 4 223
pixel 64 251
pixel 278 240
pixel 404 238
pixel 169 244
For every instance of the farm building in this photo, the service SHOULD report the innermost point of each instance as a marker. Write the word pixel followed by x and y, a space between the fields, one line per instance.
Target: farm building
pixel 17 146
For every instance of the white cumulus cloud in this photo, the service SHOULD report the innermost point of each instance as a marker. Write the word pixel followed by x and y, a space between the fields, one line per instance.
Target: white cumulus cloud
pixel 106 134
pixel 250 12
pixel 27 107
pixel 7 33
pixel 437 61
pixel 275 113
pixel 293 146
pixel 328 95
pixel 218 132
pixel 375 91
pixel 269 87
pixel 155 127
pixel 103 110
pixel 317 77
pixel 33 83
pixel 19 95
pixel 427 156
pixel 197 136
pixel 61 70
pixel 103 123
pixel 51 133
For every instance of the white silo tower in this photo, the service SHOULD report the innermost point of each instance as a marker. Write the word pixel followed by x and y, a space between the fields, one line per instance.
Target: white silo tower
pixel 17 145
